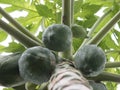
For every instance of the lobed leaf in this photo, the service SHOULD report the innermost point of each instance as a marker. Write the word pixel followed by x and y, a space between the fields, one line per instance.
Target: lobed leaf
pixel 3 35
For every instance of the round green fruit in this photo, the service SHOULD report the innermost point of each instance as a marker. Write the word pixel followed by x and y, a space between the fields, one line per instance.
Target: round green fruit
pixel 9 71
pixel 78 31
pixel 97 86
pixel 90 60
pixel 57 37
pixel 37 64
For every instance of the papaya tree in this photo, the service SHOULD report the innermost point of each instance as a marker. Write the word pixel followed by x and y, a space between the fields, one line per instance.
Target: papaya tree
pixel 52 41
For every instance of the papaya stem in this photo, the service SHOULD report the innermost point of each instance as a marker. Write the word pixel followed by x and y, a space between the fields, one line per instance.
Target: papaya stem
pixel 106 76
pixel 21 37
pixel 112 51
pixel 72 12
pixel 66 19
pixel 66 12
pixel 112 64
pixel 18 25
pixel 103 32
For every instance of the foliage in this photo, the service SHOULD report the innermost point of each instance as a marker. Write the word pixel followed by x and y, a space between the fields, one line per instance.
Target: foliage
pixel 40 15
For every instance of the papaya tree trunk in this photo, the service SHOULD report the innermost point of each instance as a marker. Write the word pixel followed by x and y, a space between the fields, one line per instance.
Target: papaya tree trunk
pixel 66 77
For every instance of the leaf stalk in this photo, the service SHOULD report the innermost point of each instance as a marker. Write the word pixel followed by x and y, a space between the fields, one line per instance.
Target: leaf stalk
pixel 18 25
pixel 21 37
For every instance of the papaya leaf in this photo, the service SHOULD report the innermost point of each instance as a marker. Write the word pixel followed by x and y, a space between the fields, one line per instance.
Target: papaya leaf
pixel 19 5
pixel 111 86
pixel 89 22
pixel 106 3
pixel 3 35
pixel 8 89
pixel 117 33
pixel 14 47
pixel 76 43
pixel 77 6
pixel 89 10
pixel 108 43
pixel 119 24
pixel 43 10
pixel 1 48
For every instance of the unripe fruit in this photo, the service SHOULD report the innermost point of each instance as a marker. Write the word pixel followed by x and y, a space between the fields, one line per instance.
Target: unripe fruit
pixel 57 37
pixel 37 64
pixel 90 60
pixel 97 86
pixel 9 72
pixel 78 31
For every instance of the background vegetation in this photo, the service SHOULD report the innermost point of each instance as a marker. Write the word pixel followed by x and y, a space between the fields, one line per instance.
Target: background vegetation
pixel 37 16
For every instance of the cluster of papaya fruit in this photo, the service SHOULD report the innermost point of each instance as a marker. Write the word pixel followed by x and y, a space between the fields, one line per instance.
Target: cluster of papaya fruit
pixel 36 64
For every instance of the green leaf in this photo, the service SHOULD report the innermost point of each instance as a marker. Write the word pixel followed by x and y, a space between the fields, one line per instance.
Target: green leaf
pixel 13 47
pixel 89 10
pixel 3 35
pixel 1 48
pixel 89 22
pixel 77 6
pixel 76 43
pixel 8 89
pixel 119 24
pixel 105 3
pixel 43 10
pixel 19 5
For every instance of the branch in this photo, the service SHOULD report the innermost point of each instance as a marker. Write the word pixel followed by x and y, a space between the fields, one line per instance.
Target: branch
pixel 21 37
pixel 102 33
pixel 112 64
pixel 18 25
pixel 112 51
pixel 106 76
pixel 94 27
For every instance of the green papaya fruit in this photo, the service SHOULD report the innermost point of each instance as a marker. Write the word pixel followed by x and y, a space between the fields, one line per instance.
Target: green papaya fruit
pixel 36 64
pixel 78 31
pixel 9 72
pixel 90 60
pixel 57 37
pixel 97 85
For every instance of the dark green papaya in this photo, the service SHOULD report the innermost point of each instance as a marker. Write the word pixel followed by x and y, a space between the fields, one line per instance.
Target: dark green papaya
pixel 97 85
pixel 37 64
pixel 90 60
pixel 57 37
pixel 78 31
pixel 9 72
